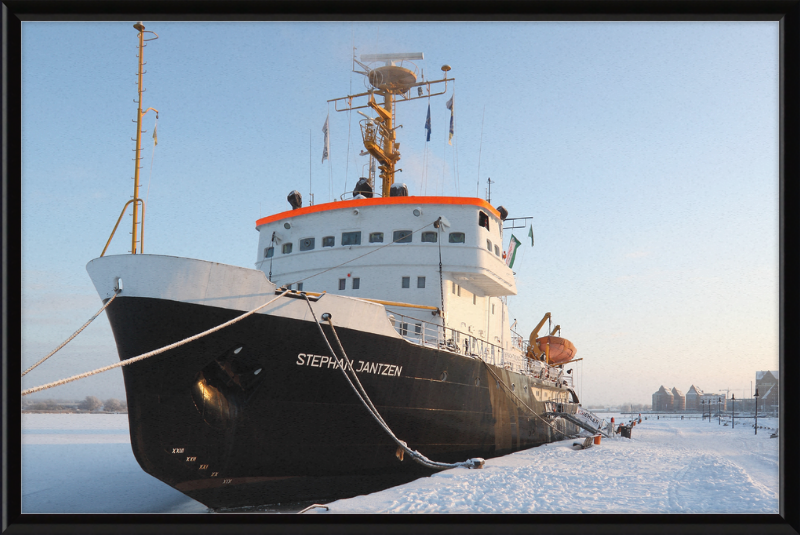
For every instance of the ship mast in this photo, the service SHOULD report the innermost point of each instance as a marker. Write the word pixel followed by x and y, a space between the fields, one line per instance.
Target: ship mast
pixel 136 200
pixel 392 82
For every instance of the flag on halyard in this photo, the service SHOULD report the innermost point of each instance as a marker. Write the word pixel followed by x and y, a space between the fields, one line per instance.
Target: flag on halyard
pixel 452 111
pixel 512 251
pixel 327 148
pixel 155 135
pixel 530 233
pixel 428 122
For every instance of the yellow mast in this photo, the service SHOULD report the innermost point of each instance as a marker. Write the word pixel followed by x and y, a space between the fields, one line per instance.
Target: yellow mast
pixel 136 200
pixel 393 83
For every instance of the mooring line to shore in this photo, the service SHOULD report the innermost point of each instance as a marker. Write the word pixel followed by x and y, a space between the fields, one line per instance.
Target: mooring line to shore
pixel 344 364
pixel 151 353
pixel 76 333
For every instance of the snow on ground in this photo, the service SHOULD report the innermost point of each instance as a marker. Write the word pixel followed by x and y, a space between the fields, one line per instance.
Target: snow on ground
pixel 79 463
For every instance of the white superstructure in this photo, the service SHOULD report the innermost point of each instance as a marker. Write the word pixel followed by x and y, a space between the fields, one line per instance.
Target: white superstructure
pixel 389 249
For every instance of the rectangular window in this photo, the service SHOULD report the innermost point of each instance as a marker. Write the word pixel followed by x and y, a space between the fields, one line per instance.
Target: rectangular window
pixel 328 241
pixel 306 244
pixel 489 245
pixel 299 286
pixel 376 237
pixel 417 328
pixel 496 250
pixel 287 248
pixel 453 287
pixel 401 236
pixel 356 283
pixel 342 284
pixel 420 282
pixel 474 299
pixel 269 252
pixel 429 237
pixel 406 282
pixel 492 308
pixel 456 237
pixel 404 329
pixel 351 238
pixel 459 291
pixel 483 219
pixel 289 287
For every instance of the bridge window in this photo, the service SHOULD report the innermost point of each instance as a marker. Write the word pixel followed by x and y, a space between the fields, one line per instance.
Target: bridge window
pixel 376 237
pixel 406 283
pixel 420 282
pixel 356 283
pixel 401 236
pixel 269 252
pixel 489 245
pixel 429 237
pixel 342 284
pixel 299 286
pixel 306 244
pixel 496 250
pixel 457 237
pixel 328 241
pixel 351 238
pixel 287 248
pixel 483 219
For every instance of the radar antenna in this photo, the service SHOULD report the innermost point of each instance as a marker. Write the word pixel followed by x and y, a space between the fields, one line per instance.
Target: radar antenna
pixel 393 82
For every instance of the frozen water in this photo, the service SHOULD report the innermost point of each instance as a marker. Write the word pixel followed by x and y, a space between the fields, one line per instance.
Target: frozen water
pixel 79 463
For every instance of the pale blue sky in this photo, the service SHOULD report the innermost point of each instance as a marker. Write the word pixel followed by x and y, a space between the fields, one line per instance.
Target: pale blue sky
pixel 647 153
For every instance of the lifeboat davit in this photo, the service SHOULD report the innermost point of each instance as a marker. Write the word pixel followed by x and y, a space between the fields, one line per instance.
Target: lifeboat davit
pixel 561 349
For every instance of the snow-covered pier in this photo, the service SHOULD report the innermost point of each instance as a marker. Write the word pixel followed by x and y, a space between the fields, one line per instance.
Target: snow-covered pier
pixel 73 463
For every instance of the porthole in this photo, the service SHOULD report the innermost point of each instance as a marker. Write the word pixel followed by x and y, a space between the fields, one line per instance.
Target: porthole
pixel 287 226
pixel 417 212
pixel 443 377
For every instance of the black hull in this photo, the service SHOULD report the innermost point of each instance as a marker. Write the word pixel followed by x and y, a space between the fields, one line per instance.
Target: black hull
pixel 203 421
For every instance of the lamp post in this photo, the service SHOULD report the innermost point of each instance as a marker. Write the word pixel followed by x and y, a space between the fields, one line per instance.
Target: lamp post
pixel 756 396
pixel 703 408
pixel 719 410
pixel 733 410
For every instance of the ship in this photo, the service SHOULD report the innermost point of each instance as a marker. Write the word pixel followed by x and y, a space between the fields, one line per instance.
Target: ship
pixel 370 345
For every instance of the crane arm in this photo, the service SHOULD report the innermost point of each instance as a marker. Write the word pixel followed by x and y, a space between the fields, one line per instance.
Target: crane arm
pixel 533 348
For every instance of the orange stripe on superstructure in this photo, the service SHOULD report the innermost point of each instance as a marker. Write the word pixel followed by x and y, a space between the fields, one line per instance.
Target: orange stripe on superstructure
pixel 380 201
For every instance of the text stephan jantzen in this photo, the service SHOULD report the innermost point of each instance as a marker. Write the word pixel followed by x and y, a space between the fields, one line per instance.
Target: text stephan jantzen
pixel 320 361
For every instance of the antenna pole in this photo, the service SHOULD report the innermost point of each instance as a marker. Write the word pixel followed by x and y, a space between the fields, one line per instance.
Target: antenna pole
pixel 388 147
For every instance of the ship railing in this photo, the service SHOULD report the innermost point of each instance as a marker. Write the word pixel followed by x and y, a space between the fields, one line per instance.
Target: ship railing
pixel 435 336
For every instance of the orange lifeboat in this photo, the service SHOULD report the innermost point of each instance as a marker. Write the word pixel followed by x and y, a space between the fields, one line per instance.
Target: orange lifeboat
pixel 561 349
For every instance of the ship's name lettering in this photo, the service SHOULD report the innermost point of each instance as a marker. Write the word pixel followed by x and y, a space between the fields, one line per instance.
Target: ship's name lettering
pixel 324 361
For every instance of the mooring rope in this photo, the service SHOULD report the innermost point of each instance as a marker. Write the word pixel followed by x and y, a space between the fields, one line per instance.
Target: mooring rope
pixel 364 398
pixel 76 333
pixel 151 353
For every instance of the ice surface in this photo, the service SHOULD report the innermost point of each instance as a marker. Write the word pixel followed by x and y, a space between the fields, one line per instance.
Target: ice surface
pixel 78 463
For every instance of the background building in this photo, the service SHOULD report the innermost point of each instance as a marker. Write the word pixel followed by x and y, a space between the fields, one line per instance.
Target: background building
pixel 678 400
pixel 693 398
pixel 663 400
pixel 768 391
